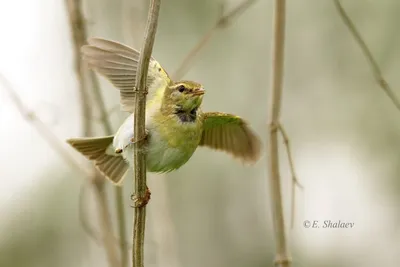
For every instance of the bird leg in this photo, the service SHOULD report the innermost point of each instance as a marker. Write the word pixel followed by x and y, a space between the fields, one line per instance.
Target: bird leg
pixel 146 134
pixel 120 150
pixel 139 202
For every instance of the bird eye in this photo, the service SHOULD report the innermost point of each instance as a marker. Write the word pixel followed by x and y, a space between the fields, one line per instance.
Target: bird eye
pixel 181 88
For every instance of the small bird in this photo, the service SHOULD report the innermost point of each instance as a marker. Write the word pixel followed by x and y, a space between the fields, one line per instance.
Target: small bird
pixel 175 123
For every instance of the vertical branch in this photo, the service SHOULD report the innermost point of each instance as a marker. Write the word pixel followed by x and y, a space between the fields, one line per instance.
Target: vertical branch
pixel 165 233
pixel 119 193
pixel 282 258
pixel 78 31
pixel 108 239
pixel 140 187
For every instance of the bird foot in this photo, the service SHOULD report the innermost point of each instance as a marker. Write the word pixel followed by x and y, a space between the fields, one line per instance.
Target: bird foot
pixel 146 134
pixel 139 202
pixel 120 150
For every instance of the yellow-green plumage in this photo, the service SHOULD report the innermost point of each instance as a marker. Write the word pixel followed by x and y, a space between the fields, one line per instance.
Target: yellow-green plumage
pixel 175 123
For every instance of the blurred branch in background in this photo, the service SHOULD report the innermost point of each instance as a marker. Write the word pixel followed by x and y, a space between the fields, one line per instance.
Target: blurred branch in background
pixel 278 43
pixel 164 233
pixel 133 22
pixel 44 131
pixel 57 145
pixel 295 181
pixel 367 53
pixel 222 22
pixel 141 195
pixel 78 31
pixel 87 227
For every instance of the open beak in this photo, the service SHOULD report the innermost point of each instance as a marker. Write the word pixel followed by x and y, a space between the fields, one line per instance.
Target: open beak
pixel 198 91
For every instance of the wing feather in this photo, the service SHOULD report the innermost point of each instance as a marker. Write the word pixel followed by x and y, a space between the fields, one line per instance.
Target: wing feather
pixel 230 133
pixel 119 64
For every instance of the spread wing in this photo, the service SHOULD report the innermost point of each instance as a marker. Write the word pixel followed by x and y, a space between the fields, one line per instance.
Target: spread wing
pixel 231 134
pixel 119 63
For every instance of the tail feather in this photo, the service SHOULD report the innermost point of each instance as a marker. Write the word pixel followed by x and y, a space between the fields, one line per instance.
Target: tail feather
pixel 112 166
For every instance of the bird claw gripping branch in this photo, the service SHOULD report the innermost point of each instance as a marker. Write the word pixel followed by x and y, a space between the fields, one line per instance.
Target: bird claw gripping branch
pixel 146 134
pixel 139 202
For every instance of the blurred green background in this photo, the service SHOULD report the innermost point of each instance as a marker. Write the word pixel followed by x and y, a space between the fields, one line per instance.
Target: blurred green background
pixel 213 211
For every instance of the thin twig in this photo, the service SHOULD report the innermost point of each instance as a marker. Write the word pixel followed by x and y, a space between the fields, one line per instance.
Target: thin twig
pixel 105 220
pixel 367 53
pixel 119 193
pixel 83 213
pixel 295 181
pixel 45 132
pixel 84 218
pixel 123 243
pixel 104 118
pixel 167 254
pixel 222 22
pixel 140 187
pixel 281 259
pixel 78 31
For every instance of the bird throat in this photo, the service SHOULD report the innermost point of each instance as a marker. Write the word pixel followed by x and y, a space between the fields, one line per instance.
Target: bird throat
pixel 186 115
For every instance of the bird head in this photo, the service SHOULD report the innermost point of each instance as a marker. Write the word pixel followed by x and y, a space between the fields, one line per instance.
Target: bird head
pixel 184 95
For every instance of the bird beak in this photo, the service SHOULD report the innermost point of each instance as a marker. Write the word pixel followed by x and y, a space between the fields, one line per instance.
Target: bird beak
pixel 199 91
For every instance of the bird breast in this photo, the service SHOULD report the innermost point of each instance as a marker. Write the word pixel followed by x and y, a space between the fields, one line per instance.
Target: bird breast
pixel 171 143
